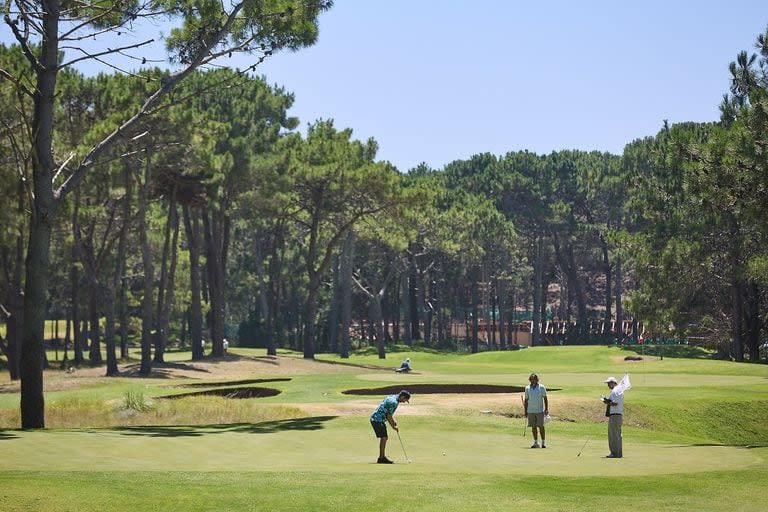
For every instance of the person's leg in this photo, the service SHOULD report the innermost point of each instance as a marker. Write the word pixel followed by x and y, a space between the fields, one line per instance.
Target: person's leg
pixel 543 437
pixel 381 433
pixel 614 435
pixel 535 432
pixel 619 423
pixel 610 435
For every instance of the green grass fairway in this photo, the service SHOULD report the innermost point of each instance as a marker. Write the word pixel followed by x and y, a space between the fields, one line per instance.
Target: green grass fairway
pixel 695 438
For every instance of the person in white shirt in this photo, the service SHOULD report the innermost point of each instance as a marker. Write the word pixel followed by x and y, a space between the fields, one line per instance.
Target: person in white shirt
pixel 614 409
pixel 406 366
pixel 536 407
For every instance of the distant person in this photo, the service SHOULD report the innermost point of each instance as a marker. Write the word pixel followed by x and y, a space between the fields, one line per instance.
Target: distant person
pixel 202 346
pixel 225 343
pixel 405 366
pixel 614 410
pixel 536 407
pixel 383 413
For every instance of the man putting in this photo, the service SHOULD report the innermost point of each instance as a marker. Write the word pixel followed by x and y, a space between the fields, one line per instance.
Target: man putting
pixel 536 407
pixel 383 413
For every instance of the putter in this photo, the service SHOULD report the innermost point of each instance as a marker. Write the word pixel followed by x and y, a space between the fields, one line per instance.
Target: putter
pixel 403 447
pixel 582 448
pixel 525 420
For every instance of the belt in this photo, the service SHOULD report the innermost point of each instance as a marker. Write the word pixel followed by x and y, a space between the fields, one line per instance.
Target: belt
pixel 615 414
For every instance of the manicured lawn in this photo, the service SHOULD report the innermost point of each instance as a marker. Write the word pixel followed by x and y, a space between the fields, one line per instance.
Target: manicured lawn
pixel 696 437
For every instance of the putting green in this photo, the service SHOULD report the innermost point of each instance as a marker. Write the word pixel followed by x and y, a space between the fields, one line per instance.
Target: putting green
pixel 347 444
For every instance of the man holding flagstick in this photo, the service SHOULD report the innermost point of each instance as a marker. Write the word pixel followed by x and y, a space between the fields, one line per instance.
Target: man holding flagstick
pixel 614 410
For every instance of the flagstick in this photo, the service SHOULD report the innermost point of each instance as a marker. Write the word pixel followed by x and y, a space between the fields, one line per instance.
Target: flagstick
pixel 525 419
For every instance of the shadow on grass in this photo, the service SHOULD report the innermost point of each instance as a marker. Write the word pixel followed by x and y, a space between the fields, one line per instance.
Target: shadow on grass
pixel 676 351
pixel 6 434
pixel 229 383
pixel 160 371
pixel 240 393
pixel 723 445
pixel 266 427
pixel 439 388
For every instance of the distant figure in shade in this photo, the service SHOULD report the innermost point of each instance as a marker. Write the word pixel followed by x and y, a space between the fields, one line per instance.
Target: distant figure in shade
pixel 226 345
pixel 406 366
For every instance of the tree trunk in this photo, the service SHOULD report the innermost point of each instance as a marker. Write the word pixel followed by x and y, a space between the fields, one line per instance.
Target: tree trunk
pixel 619 290
pixel 94 310
pixel 195 308
pixel 413 300
pixel 607 268
pixel 15 320
pixel 737 297
pixel 160 335
pixel 263 302
pixel 123 314
pixel 753 321
pixel 501 291
pixel 333 316
pixel 109 331
pixel 396 307
pixel 40 227
pixel 474 298
pixel 32 351
pixel 425 310
pixel 377 324
pixel 405 306
pixel 538 274
pixel 216 228
pixel 347 261
pixel 164 306
pixel 149 274
pixel 116 287
pixel 311 312
pixel 77 332
pixel 736 320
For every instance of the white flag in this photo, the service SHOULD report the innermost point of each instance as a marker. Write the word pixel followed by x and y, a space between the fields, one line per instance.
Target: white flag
pixel 624 385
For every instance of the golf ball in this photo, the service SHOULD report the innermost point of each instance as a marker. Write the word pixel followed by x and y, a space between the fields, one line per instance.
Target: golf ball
pixel 443 454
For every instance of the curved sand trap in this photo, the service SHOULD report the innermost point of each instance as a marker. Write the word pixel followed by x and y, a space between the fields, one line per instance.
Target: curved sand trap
pixel 247 392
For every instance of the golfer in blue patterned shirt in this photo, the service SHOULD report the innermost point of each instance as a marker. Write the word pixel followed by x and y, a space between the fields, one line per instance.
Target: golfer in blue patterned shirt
pixel 383 413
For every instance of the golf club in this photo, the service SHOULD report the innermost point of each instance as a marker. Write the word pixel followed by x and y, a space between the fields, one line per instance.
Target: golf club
pixel 582 448
pixel 403 447
pixel 525 420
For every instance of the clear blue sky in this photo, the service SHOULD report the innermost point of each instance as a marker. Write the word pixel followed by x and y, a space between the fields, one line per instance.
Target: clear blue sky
pixel 438 80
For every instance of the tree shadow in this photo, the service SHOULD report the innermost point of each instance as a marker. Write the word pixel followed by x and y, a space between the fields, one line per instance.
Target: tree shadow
pixel 7 434
pixel 229 392
pixel 266 427
pixel 228 383
pixel 723 445
pixel 160 371
pixel 675 351
pixel 439 388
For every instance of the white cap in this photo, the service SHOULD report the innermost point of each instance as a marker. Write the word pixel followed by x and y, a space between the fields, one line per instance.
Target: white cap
pixel 612 379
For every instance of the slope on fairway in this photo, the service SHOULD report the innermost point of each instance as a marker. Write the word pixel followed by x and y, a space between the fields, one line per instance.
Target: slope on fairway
pixel 347 444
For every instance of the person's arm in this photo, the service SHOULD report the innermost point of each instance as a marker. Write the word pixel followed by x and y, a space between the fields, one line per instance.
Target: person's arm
pixel 546 405
pixel 392 422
